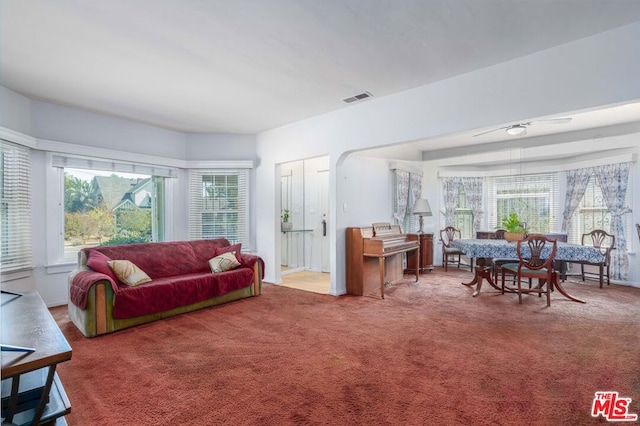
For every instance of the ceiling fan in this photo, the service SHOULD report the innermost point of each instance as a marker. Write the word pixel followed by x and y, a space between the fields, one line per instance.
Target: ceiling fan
pixel 521 128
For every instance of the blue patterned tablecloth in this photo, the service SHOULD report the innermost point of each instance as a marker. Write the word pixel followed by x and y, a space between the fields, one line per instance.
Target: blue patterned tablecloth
pixel 506 250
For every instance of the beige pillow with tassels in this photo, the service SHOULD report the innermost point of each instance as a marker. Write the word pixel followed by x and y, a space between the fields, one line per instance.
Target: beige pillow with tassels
pixel 128 272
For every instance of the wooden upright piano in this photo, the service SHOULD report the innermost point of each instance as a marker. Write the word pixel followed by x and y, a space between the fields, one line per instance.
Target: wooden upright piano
pixel 374 257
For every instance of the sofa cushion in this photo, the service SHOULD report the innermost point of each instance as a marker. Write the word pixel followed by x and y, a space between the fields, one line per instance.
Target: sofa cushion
pixel 234 248
pixel 128 273
pixel 99 263
pixel 203 250
pixel 224 262
pixel 159 260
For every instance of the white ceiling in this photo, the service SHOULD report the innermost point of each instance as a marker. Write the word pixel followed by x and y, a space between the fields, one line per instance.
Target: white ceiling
pixel 247 66
pixel 462 148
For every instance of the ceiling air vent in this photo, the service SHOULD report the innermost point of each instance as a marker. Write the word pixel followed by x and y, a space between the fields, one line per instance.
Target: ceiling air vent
pixel 359 97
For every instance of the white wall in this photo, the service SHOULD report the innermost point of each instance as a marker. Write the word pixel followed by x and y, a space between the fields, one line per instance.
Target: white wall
pixel 595 71
pixel 15 111
pixel 69 125
pixel 225 147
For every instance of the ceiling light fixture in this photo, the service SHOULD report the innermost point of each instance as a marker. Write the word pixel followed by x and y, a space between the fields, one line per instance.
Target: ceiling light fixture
pixel 517 130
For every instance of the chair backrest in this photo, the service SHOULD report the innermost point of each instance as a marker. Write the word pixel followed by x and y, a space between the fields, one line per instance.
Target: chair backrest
pixel 449 234
pixel 536 258
pixel 601 240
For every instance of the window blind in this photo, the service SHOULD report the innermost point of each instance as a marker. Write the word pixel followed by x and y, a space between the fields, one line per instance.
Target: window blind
pixel 219 205
pixel 533 197
pixel 15 207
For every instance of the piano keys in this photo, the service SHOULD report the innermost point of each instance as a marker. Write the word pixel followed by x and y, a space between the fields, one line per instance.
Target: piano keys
pixel 374 257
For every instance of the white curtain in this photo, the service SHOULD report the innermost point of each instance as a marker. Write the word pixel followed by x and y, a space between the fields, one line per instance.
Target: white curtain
pixel 450 190
pixel 473 191
pixel 415 186
pixel 613 180
pixel 408 188
pixel 403 178
pixel 577 181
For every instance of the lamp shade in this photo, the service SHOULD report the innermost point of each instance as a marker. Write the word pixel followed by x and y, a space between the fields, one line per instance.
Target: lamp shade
pixel 422 207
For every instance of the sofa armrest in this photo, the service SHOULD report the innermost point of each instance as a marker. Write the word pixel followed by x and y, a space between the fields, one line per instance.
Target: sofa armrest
pixel 257 264
pixel 81 282
pixel 90 306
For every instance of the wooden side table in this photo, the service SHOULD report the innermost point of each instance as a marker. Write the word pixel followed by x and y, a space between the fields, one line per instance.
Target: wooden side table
pixel 425 262
pixel 39 347
pixel 485 235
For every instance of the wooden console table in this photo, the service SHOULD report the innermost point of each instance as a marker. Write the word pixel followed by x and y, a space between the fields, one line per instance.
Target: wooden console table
pixel 424 260
pixel 28 326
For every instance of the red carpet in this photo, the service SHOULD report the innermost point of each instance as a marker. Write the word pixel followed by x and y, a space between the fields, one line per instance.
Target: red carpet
pixel 429 354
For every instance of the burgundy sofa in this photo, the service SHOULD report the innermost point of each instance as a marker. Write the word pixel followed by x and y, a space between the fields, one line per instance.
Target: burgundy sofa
pixel 181 281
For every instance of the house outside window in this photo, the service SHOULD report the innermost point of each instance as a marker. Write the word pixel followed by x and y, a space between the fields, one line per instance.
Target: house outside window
pixel 219 205
pixel 107 202
pixel 108 208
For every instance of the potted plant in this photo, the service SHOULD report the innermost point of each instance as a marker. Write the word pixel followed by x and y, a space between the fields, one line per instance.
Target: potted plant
pixel 285 224
pixel 513 226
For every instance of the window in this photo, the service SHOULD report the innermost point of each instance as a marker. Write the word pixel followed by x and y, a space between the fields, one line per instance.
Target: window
pixel 219 205
pixel 592 213
pixel 108 207
pixel 406 188
pixel 15 207
pixel 463 216
pixel 533 197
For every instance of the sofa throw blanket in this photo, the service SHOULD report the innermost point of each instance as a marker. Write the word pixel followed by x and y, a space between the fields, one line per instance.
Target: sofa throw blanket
pixel 180 276
pixel 164 294
pixel 82 282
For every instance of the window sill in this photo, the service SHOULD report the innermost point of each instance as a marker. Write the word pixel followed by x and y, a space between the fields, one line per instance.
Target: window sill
pixel 17 275
pixel 60 268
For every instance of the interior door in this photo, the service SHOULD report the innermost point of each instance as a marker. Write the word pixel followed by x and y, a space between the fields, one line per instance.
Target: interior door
pixel 323 178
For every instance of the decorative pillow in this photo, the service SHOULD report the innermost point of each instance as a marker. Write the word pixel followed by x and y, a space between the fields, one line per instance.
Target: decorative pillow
pixel 234 248
pixel 128 272
pixel 100 263
pixel 224 262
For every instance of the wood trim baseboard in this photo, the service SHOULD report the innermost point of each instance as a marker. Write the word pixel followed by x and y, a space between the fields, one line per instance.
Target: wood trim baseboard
pixel 256 279
pixel 101 309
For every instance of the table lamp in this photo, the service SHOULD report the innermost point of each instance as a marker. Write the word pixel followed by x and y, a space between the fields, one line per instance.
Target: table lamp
pixel 422 209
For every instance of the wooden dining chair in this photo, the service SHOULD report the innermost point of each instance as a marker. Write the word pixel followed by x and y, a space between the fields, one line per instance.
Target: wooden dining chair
pixel 604 242
pixel 531 264
pixel 499 261
pixel 447 235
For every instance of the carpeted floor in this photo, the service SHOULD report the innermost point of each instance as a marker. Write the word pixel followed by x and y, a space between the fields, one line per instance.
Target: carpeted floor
pixel 429 354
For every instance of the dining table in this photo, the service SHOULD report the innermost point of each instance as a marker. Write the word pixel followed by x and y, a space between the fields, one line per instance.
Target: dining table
pixel 483 250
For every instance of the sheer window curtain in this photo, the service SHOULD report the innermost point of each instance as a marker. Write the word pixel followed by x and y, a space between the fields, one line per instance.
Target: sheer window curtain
pixel 473 190
pixel 415 186
pixel 613 180
pixel 577 181
pixel 408 188
pixel 450 192
pixel 403 179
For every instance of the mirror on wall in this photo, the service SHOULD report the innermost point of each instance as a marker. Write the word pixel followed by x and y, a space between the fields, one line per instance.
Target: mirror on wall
pixel 304 212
